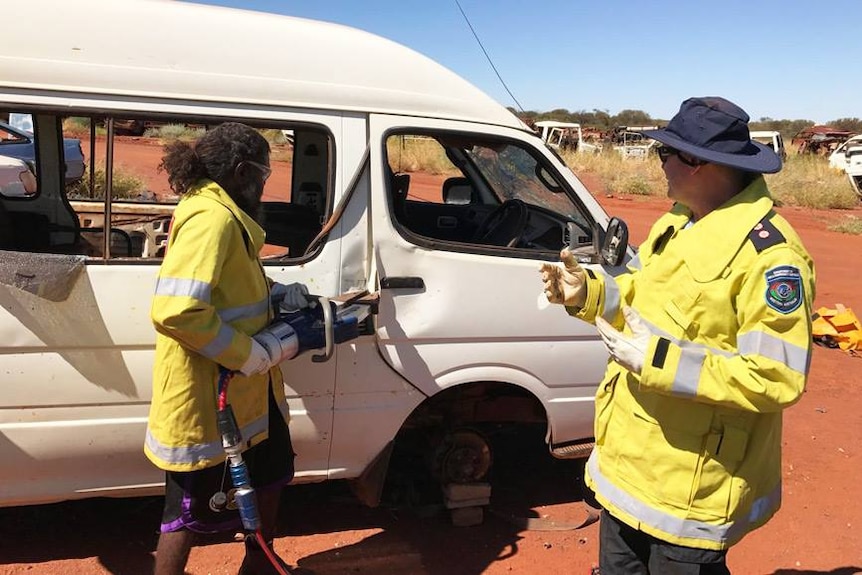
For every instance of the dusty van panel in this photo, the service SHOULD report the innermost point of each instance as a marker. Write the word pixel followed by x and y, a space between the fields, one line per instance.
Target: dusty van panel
pixel 463 338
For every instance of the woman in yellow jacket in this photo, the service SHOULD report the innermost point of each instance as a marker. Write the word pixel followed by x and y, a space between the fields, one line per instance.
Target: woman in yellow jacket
pixel 210 298
pixel 709 335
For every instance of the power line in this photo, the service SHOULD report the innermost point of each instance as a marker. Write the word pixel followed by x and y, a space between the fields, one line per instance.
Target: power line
pixel 476 36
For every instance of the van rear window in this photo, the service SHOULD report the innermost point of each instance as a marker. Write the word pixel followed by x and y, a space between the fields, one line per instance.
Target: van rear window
pixel 122 155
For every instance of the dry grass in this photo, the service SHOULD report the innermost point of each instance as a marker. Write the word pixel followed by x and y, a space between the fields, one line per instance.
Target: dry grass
pixel 418 154
pixel 809 182
pixel 805 180
pixel 639 177
pixel 848 225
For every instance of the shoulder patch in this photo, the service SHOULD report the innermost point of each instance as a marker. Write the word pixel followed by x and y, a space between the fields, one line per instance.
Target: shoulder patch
pixel 765 235
pixel 783 289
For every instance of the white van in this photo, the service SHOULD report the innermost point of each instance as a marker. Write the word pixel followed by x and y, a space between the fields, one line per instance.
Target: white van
pixel 400 179
pixel 772 139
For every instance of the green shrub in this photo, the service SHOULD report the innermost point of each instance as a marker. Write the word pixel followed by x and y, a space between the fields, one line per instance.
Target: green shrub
pixel 125 186
pixel 175 132
pixel 78 126
pixel 632 184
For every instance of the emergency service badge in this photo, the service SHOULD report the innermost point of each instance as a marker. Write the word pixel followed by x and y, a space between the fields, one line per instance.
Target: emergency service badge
pixel 783 289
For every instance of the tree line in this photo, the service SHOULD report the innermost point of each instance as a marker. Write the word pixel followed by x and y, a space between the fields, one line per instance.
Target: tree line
pixel 604 121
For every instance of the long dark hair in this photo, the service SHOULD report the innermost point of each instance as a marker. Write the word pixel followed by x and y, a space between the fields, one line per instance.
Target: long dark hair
pixel 214 156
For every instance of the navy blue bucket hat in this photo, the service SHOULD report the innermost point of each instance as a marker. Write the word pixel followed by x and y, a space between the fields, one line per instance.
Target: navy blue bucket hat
pixel 716 131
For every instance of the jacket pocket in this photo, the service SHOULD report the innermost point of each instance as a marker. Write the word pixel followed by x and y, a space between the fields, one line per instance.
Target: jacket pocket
pixel 714 496
pixel 604 406
pixel 681 305
pixel 663 451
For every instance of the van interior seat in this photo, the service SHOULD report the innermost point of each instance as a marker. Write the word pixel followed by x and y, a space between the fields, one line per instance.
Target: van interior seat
pixel 30 232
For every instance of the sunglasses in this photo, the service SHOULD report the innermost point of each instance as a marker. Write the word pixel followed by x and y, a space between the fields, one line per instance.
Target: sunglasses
pixel 265 171
pixel 665 152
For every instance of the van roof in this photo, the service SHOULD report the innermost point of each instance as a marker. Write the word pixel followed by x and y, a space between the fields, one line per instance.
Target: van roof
pixel 176 50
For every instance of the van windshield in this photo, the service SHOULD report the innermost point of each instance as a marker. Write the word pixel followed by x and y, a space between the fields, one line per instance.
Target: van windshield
pixel 512 173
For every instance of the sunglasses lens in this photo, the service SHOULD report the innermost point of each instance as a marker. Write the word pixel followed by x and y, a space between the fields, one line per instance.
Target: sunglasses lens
pixel 664 153
pixel 265 171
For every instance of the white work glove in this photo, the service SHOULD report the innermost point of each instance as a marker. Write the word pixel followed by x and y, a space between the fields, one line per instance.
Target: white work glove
pixel 290 296
pixel 258 361
pixel 627 350
pixel 565 284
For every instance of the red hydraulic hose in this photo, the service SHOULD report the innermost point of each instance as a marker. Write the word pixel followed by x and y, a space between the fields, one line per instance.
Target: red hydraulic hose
pixel 225 377
pixel 269 553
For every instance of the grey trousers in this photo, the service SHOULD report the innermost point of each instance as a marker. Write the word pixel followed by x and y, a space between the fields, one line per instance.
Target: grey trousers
pixel 627 551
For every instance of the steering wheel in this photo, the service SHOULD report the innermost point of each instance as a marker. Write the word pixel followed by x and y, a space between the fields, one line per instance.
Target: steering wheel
pixel 504 226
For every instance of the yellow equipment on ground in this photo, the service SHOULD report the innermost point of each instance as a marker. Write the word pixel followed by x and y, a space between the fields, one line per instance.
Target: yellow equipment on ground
pixel 837 327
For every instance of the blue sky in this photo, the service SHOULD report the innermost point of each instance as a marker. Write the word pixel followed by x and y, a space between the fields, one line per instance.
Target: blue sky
pixel 785 59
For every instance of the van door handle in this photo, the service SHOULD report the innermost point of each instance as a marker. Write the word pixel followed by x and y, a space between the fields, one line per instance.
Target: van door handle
pixel 402 283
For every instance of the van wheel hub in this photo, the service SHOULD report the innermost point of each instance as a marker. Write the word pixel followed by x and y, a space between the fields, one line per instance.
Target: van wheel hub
pixel 463 457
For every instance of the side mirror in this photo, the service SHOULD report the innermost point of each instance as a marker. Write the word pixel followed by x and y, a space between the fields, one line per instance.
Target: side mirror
pixel 457 191
pixel 616 242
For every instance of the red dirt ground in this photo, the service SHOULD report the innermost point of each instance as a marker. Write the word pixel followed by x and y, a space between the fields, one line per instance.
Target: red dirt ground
pixel 323 529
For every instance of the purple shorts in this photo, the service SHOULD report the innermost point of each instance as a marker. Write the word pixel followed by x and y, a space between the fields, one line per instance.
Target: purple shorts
pixel 188 495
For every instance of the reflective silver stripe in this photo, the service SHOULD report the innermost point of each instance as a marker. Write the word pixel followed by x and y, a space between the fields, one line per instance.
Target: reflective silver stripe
pixel 192 454
pixel 244 311
pixel 692 357
pixel 189 454
pixel 685 344
pixel 676 526
pixel 764 507
pixel 688 370
pixel 755 342
pixel 219 343
pixel 612 295
pixel 760 343
pixel 612 299
pixel 184 287
pixel 635 262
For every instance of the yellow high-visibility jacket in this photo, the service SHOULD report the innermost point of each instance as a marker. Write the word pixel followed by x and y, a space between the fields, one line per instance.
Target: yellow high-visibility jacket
pixel 689 451
pixel 211 295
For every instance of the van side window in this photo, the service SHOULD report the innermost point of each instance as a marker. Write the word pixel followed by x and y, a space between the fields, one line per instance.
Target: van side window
pixel 471 192
pixel 70 214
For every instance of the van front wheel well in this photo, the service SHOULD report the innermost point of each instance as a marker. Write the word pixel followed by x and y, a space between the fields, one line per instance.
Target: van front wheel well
pixel 477 403
pixel 453 438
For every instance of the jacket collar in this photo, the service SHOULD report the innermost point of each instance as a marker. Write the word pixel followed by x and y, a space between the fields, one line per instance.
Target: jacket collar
pixel 723 231
pixel 251 229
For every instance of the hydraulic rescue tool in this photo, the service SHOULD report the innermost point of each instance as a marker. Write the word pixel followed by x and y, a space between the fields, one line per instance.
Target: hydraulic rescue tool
pixel 292 333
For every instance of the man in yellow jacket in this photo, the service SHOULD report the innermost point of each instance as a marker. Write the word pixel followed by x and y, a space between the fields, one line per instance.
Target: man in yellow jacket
pixel 709 335
pixel 211 297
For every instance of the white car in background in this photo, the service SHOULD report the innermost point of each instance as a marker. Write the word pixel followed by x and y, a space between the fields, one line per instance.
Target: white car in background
pixel 16 178
pixel 565 136
pixel 840 158
pixel 21 144
pixel 771 139
pixel 848 158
